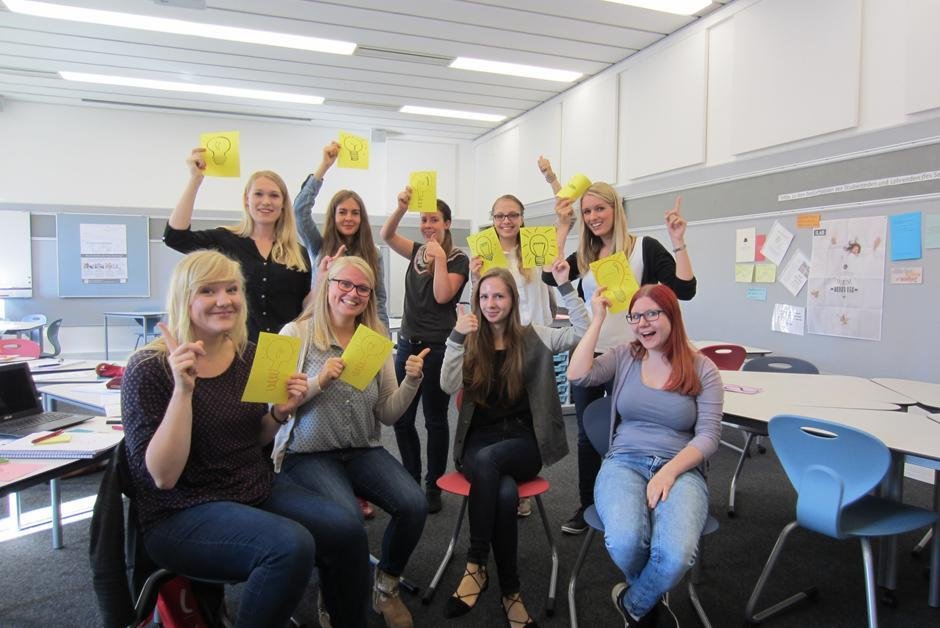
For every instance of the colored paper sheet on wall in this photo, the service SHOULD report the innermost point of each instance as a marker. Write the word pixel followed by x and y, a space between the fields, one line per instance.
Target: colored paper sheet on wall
pixel 744 273
pixel 808 221
pixel 222 154
pixel 759 240
pixel 353 151
pixel 777 243
pixel 932 236
pixel 905 236
pixel 795 273
pixel 275 361
pixel 755 293
pixel 765 273
pixel 614 274
pixel 744 244
pixel 575 187
pixel 907 274
pixel 789 319
pixel 365 354
pixel 485 244
pixel 423 191
pixel 539 246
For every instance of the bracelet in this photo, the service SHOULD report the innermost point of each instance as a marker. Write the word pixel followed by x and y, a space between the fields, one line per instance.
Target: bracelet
pixel 551 178
pixel 277 420
pixel 679 248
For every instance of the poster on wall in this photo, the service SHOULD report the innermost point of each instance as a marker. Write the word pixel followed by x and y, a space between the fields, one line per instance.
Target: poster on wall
pixel 103 250
pixel 845 290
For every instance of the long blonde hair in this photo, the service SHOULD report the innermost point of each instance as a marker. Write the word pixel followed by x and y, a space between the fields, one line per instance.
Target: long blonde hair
pixel 589 245
pixel 318 311
pixel 286 248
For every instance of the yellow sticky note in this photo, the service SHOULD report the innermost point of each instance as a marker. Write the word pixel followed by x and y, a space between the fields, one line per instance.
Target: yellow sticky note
pixel 765 273
pixel 613 273
pixel 222 158
pixel 744 272
pixel 353 151
pixel 275 361
pixel 575 188
pixel 539 246
pixel 364 356
pixel 55 440
pixel 423 191
pixel 486 245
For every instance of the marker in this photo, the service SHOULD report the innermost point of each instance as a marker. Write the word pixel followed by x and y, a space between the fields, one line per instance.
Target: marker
pixel 36 441
pixel 113 422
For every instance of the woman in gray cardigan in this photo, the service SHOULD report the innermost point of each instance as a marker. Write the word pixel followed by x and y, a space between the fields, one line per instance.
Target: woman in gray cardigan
pixel 509 424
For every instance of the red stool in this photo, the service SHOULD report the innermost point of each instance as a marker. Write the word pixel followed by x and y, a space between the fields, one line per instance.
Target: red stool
pixel 457 484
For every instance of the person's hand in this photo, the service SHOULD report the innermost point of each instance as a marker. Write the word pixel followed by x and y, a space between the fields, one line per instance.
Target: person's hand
pixel 196 163
pixel 404 197
pixel 560 270
pixel 331 371
pixel 675 224
pixel 467 322
pixel 476 265
pixel 434 250
pixel 182 359
pixel 296 391
pixel 330 153
pixel 327 260
pixel 657 489
pixel 545 167
pixel 564 213
pixel 414 365
pixel 599 304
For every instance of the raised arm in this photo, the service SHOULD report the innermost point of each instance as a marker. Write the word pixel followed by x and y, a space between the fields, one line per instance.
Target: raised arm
pixel 303 204
pixel 582 358
pixel 394 398
pixel 452 366
pixel 675 225
pixel 545 167
pixel 445 284
pixel 381 293
pixel 182 216
pixel 389 232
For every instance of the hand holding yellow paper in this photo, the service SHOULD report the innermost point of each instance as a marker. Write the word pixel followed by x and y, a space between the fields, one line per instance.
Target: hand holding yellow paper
pixel 423 191
pixel 486 245
pixel 364 356
pixel 575 188
pixel 222 156
pixel 353 151
pixel 538 246
pixel 613 273
pixel 275 361
pixel 744 272
pixel 765 273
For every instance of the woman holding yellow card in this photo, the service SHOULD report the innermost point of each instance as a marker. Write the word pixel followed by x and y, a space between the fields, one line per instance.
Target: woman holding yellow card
pixel 333 446
pixel 604 233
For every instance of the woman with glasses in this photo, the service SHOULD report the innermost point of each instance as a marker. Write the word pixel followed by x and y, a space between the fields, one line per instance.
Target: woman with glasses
pixel 603 233
pixel 665 422
pixel 333 446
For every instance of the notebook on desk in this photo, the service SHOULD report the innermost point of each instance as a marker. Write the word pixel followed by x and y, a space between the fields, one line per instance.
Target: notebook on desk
pixel 20 411
pixel 78 443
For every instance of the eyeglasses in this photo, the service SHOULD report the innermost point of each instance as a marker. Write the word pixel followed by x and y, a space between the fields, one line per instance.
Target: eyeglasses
pixel 501 217
pixel 346 286
pixel 649 315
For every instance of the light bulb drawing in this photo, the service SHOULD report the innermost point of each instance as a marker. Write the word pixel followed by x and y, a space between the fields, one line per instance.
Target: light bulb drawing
pixel 538 244
pixel 277 354
pixel 219 146
pixel 355 146
pixel 611 276
pixel 486 249
pixel 370 351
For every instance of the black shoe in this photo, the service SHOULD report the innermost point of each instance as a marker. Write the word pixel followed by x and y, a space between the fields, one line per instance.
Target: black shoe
pixel 616 596
pixel 514 599
pixel 455 606
pixel 434 500
pixel 575 525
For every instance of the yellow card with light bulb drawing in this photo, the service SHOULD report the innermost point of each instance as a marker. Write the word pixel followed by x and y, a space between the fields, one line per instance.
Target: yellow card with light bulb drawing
pixel 222 157
pixel 275 361
pixel 353 151
pixel 485 244
pixel 614 274
pixel 365 354
pixel 539 246
pixel 423 191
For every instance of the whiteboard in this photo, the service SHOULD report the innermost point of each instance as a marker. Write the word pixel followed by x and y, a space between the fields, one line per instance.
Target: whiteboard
pixel 16 267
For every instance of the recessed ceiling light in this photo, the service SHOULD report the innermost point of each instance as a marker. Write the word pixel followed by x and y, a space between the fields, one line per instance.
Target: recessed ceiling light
pixel 515 69
pixel 452 113
pixel 679 7
pixel 174 86
pixel 179 27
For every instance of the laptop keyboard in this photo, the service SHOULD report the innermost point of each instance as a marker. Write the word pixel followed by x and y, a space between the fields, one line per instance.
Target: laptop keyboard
pixel 43 417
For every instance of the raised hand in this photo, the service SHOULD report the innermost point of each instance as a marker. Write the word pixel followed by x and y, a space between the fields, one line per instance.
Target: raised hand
pixel 560 270
pixel 330 153
pixel 676 224
pixel 296 391
pixel 414 365
pixel 467 322
pixel 181 358
pixel 599 304
pixel 545 166
pixel 196 162
pixel 476 265
pixel 331 371
pixel 327 260
pixel 404 197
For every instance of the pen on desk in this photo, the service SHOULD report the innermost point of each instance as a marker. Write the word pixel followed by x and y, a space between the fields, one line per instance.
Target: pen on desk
pixel 36 441
pixel 113 422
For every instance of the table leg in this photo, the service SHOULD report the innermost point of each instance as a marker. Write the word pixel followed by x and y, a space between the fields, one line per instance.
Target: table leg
pixel 891 488
pixel 56 508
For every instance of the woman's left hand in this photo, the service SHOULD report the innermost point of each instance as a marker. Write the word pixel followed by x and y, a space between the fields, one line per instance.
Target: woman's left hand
pixel 560 270
pixel 327 260
pixel 435 251
pixel 675 224
pixel 414 365
pixel 657 489
pixel 296 391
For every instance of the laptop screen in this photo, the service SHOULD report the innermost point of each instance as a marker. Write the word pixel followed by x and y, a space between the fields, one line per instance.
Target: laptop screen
pixel 18 395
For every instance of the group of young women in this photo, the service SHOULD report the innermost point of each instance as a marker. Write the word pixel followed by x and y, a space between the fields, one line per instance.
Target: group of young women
pixel 213 506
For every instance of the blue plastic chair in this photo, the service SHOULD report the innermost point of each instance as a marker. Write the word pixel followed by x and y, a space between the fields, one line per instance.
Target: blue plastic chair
pixel 833 468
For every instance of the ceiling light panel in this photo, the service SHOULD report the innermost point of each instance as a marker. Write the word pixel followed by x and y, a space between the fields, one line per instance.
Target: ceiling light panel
pixel 678 7
pixel 452 113
pixel 515 69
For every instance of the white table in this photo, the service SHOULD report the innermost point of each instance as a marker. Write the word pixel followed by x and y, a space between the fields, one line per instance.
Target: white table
pixel 926 394
pixel 19 327
pixel 147 321
pixel 839 391
pixel 752 352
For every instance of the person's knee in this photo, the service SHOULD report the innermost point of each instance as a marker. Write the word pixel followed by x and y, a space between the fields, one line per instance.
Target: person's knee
pixel 624 545
pixel 412 506
pixel 673 561
pixel 295 550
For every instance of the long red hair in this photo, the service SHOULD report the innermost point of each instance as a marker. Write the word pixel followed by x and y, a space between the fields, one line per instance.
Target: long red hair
pixel 678 349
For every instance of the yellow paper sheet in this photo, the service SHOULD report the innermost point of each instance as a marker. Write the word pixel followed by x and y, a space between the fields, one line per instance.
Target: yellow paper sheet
pixel 423 191
pixel 486 245
pixel 353 151
pixel 222 156
pixel 808 221
pixel 744 272
pixel 275 361
pixel 765 273
pixel 575 187
pixel 538 246
pixel 365 354
pixel 61 438
pixel 615 275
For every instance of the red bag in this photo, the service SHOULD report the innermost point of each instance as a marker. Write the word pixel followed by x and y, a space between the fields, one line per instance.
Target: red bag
pixel 106 369
pixel 177 606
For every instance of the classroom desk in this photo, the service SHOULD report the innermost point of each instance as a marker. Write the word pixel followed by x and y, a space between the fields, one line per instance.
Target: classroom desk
pixel 752 352
pixel 838 391
pixel 89 396
pixel 57 365
pixel 147 321
pixel 926 394
pixel 19 328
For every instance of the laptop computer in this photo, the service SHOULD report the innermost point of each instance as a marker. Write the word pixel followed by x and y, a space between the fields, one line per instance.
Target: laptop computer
pixel 20 411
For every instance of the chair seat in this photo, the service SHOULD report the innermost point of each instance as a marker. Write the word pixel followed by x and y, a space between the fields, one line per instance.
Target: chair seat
pixel 877 516
pixel 592 519
pixel 457 484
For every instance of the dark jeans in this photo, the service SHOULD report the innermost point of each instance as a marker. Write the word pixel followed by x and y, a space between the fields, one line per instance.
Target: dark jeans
pixel 589 462
pixel 371 473
pixel 494 460
pixel 434 403
pixel 273 548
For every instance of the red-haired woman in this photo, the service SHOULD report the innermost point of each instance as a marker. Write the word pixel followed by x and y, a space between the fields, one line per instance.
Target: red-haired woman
pixel 665 422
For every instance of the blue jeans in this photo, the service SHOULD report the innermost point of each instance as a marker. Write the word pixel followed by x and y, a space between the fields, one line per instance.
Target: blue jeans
pixel 273 548
pixel 434 402
pixel 589 461
pixel 371 473
pixel 654 548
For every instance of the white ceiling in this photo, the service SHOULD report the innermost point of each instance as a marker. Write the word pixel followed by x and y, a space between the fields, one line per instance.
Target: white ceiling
pixel 404 49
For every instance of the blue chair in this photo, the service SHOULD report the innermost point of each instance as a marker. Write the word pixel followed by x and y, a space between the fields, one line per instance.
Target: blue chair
pixel 52 333
pixel 833 468
pixel 597 426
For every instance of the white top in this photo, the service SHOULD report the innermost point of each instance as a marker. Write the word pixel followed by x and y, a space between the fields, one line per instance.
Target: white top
pixel 534 298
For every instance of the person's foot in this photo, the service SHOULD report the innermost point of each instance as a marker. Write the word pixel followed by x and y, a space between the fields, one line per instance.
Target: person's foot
pixel 473 583
pixel 516 613
pixel 575 525
pixel 368 512
pixel 524 509
pixel 387 602
pixel 617 595
pixel 434 500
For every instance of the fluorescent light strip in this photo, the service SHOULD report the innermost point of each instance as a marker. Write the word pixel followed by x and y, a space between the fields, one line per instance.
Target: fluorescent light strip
pixel 678 7
pixel 452 113
pixel 515 69
pixel 179 27
pixel 173 86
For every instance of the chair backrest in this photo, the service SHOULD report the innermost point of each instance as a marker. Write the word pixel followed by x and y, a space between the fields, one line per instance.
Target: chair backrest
pixel 596 421
pixel 19 346
pixel 726 357
pixel 780 364
pixel 52 334
pixel 829 464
